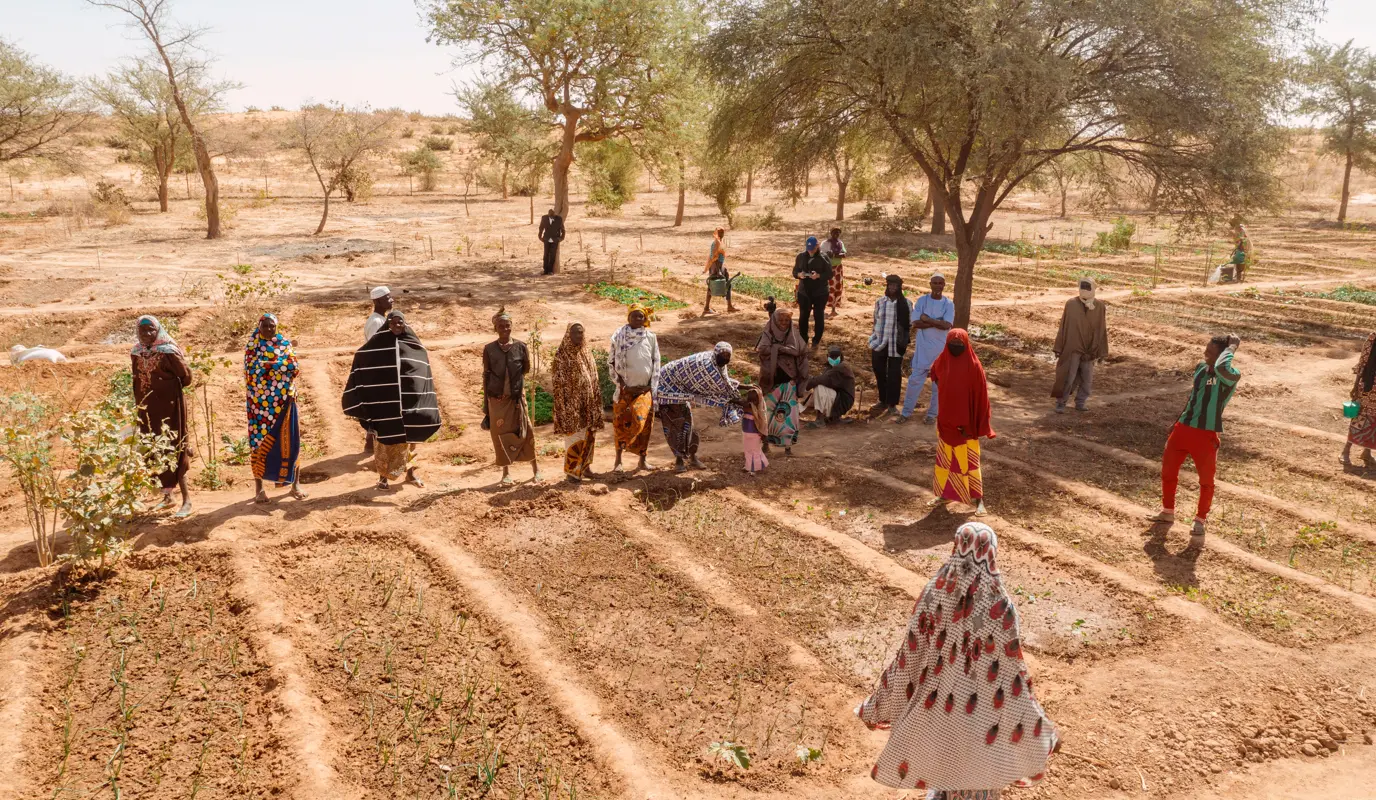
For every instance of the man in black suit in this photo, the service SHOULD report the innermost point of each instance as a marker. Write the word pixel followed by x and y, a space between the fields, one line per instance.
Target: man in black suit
pixel 551 233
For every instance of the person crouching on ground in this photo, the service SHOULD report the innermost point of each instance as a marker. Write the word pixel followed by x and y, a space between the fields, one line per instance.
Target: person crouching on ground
pixel 961 422
pixel 505 364
pixel 833 391
pixel 783 367
pixel 577 403
pixel 1196 432
pixel 1081 341
pixel 888 342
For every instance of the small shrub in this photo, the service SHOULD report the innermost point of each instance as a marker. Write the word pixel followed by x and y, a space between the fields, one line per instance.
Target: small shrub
pixel 604 379
pixel 612 171
pixel 415 116
pixel 27 443
pixel 423 163
pixel 437 129
pixel 236 452
pixel 768 220
pixel 1119 238
pixel 648 210
pixel 407 133
pixel 276 108
pixel 357 184
pixel 628 295
pixel 779 288
pixel 723 186
pixel 253 110
pixel 452 130
pixel 111 203
pixel 542 408
pixel 872 212
pixel 116 469
pixel 437 143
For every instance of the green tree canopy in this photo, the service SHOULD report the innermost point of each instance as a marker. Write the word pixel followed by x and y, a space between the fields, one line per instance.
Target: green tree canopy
pixel 601 68
pixel 1340 91
pixel 982 94
pixel 39 109
pixel 515 137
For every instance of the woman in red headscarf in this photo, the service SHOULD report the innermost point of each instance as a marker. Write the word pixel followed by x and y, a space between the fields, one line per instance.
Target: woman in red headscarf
pixel 962 420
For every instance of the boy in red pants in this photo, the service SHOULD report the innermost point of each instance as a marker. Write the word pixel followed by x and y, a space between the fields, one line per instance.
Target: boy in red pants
pixel 1196 432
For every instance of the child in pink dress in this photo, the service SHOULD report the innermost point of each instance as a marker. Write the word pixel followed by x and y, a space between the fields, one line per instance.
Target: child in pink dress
pixel 751 442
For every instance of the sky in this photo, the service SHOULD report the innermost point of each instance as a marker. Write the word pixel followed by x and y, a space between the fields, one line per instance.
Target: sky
pixel 289 52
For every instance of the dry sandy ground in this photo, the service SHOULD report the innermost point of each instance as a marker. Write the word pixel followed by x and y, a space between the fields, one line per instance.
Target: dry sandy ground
pixel 543 641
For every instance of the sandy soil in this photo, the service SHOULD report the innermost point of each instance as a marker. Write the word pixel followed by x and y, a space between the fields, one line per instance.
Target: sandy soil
pixel 545 641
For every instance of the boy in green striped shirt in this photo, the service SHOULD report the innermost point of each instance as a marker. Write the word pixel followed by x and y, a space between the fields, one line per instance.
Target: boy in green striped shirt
pixel 1196 432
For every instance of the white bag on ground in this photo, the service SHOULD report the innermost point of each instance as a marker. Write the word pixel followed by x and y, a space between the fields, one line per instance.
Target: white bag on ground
pixel 20 354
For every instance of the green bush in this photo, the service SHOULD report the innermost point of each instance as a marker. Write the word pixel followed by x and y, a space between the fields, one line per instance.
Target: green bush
pixel 604 376
pixel 1347 293
pixel 437 143
pixel 872 212
pixel 781 289
pixel 424 163
pixel 769 220
pixel 1120 238
pixel 542 409
pixel 612 170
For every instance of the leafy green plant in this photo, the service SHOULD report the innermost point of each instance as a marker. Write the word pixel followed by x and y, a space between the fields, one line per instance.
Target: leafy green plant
pixel 611 169
pixel 807 755
pixel 422 162
pixel 542 409
pixel 604 379
pixel 933 255
pixel 115 468
pixel 439 143
pixel 730 752
pixel 27 443
pixel 628 295
pixel 768 220
pixel 1347 293
pixel 235 450
pixel 779 288
pixel 1119 238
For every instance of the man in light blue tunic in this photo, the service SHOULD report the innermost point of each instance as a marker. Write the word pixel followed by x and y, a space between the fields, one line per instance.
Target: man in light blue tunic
pixel 933 315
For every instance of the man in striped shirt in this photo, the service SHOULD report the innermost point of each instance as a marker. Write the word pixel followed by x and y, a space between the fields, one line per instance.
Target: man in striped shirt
pixel 1196 432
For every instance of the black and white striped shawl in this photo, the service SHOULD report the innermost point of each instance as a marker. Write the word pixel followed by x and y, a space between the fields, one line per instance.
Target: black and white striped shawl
pixel 390 389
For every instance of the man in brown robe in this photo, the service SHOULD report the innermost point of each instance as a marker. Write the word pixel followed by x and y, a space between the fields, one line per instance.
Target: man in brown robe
pixel 1081 341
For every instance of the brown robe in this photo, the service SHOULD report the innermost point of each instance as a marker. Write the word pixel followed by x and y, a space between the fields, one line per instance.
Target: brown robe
pixel 1082 331
pixel 159 379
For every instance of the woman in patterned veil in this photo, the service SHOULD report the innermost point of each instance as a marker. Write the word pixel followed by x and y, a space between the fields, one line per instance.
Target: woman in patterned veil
pixel 957 696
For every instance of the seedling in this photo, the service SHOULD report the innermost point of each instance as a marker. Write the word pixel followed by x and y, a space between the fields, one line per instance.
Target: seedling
pixel 730 753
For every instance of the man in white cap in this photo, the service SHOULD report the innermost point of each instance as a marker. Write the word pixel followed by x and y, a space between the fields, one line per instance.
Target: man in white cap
pixel 933 315
pixel 382 303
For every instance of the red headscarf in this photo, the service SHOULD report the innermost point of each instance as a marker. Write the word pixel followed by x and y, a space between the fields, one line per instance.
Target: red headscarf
pixel 962 393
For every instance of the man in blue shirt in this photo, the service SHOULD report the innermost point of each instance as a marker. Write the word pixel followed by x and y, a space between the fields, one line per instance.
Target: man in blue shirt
pixel 933 316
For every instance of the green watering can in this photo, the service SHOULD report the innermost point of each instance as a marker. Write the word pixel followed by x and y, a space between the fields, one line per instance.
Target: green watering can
pixel 1351 409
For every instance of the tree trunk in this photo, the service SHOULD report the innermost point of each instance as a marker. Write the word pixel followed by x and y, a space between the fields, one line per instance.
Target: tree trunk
pixel 162 193
pixel 938 208
pixel 198 148
pixel 969 239
pixel 1065 190
pixel 678 213
pixel 162 163
pixel 324 215
pixel 562 161
pixel 841 199
pixel 505 169
pixel 807 180
pixel 1347 187
pixel 532 206
pixel 1154 196
pixel 749 183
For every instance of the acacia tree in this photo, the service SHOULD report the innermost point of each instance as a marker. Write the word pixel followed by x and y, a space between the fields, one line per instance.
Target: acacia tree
pixel 674 142
pixel 601 68
pixel 139 97
pixel 336 141
pixel 175 48
pixel 39 109
pixel 982 94
pixel 1340 89
pixel 504 130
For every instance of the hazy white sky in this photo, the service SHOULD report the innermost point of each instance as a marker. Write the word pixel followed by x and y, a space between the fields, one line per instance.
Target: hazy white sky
pixel 286 52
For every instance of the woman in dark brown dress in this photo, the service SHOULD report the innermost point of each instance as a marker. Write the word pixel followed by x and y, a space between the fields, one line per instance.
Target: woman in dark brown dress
pixel 160 375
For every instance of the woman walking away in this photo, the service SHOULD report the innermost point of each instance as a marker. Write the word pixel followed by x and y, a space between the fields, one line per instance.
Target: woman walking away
pixel 751 446
pixel 833 392
pixel 701 378
pixel 634 366
pixel 961 421
pixel 274 433
pixel 716 270
pixel 577 403
pixel 958 697
pixel 390 388
pixel 835 251
pixel 783 367
pixel 1362 431
pixel 505 364
pixel 161 375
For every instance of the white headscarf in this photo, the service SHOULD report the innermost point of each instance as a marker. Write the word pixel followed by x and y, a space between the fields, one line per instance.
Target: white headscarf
pixel 1087 295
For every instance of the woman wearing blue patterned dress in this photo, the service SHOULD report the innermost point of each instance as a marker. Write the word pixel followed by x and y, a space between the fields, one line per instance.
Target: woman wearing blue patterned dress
pixel 274 432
